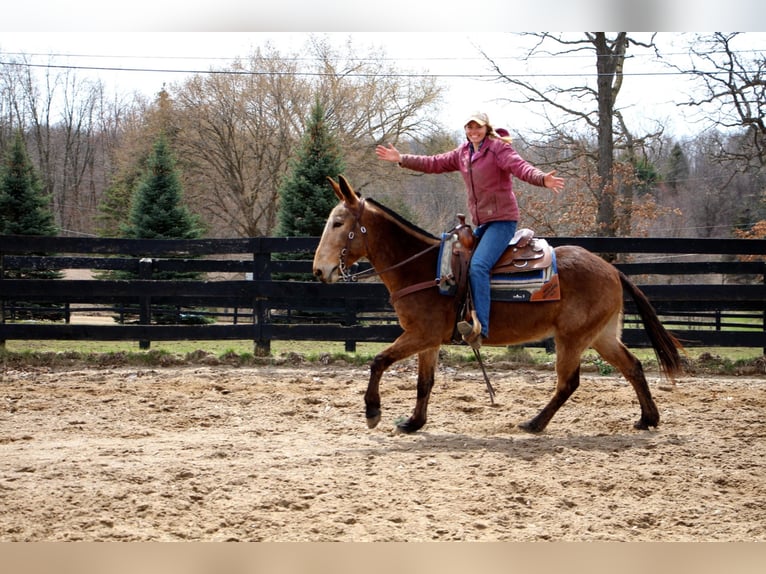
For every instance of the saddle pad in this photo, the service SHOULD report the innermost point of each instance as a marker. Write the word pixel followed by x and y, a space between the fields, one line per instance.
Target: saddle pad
pixel 534 285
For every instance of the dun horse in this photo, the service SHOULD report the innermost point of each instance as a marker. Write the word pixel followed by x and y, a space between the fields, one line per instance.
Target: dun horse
pixel 588 313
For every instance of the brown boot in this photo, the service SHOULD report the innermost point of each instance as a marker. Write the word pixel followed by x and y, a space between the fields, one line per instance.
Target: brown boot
pixel 471 334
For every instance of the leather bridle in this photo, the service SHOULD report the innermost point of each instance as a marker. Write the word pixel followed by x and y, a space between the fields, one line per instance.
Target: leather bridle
pixel 346 276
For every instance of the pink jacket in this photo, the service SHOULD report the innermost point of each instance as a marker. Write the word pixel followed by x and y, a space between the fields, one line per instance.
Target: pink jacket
pixel 487 175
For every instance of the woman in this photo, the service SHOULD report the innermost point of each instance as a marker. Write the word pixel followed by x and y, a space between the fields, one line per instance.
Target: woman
pixel 488 163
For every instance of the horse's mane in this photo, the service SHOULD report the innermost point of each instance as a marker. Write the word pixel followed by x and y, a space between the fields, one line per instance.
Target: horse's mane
pixel 398 218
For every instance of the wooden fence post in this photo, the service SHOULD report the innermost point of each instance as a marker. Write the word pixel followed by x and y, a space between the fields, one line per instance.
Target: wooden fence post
pixel 145 305
pixel 261 272
pixel 351 319
pixel 2 301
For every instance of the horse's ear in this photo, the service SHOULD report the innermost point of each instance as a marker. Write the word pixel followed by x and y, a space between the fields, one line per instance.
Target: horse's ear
pixel 349 195
pixel 335 188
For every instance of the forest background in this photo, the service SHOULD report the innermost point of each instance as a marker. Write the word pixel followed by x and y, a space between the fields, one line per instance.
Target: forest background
pixel 235 126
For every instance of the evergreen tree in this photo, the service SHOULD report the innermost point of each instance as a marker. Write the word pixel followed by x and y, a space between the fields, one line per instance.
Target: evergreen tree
pixel 131 157
pixel 678 168
pixel 23 207
pixel 157 212
pixel 24 211
pixel 647 176
pixel 305 196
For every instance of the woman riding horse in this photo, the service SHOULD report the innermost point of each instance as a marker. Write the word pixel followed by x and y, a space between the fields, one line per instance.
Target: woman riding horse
pixel 488 163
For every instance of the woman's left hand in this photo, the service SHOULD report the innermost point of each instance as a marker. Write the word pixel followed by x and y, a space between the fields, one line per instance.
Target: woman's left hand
pixel 552 182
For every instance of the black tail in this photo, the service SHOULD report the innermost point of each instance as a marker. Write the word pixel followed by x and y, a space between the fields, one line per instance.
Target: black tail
pixel 665 345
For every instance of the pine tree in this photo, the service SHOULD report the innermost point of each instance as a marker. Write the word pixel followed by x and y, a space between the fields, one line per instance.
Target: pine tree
pixel 305 195
pixel 678 168
pixel 157 212
pixel 647 176
pixel 131 157
pixel 23 207
pixel 24 211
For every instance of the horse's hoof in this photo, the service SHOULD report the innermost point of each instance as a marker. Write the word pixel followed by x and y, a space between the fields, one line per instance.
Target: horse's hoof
pixel 641 424
pixel 372 413
pixel 409 426
pixel 530 427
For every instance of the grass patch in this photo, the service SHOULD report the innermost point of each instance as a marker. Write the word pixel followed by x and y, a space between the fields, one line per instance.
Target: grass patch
pixel 72 354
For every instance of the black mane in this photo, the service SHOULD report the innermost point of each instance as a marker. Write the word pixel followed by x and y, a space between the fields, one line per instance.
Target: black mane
pixel 400 219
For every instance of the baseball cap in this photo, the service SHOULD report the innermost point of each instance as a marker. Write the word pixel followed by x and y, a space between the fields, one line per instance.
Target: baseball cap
pixel 478 117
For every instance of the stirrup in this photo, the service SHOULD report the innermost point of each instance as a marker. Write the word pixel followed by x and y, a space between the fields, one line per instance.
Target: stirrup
pixel 471 334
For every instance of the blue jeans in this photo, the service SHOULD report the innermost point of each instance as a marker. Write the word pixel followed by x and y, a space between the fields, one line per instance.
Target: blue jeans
pixel 495 237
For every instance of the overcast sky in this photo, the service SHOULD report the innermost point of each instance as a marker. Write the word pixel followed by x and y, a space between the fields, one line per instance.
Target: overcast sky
pixel 388 15
pixel 650 92
pixel 421 36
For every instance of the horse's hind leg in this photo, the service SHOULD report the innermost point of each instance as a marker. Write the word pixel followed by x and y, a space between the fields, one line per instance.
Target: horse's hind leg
pixel 616 353
pixel 426 371
pixel 568 379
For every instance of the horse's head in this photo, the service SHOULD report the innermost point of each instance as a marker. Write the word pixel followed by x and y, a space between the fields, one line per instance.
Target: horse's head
pixel 343 241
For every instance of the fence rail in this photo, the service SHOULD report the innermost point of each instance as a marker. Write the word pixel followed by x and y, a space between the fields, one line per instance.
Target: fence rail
pixel 703 290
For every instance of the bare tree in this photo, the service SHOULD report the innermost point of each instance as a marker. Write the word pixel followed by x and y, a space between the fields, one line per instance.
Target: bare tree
pixel 9 116
pixel 370 101
pixel 239 127
pixel 733 94
pixel 61 117
pixel 730 98
pixel 700 196
pixel 237 131
pixel 575 111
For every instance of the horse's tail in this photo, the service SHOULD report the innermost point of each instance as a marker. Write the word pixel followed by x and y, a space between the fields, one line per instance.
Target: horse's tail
pixel 665 345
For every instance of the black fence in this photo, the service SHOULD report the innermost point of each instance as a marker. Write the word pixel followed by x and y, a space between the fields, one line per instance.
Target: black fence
pixel 706 291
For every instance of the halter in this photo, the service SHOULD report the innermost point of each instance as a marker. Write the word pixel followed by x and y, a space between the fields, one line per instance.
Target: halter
pixel 345 275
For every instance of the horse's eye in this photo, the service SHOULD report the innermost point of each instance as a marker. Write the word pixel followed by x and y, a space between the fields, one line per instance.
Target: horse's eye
pixel 337 224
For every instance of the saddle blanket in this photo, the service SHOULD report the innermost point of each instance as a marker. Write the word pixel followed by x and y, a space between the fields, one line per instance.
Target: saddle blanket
pixel 536 285
pixel 533 285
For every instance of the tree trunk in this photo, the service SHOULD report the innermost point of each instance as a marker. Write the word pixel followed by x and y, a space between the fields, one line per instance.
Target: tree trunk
pixel 609 60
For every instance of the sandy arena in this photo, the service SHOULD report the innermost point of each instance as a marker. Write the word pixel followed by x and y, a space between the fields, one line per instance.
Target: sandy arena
pixel 213 453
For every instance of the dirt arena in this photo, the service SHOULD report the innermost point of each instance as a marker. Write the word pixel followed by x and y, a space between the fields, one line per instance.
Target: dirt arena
pixel 215 453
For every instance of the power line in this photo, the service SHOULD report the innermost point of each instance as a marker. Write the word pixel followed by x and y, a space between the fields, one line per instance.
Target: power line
pixel 530 57
pixel 238 72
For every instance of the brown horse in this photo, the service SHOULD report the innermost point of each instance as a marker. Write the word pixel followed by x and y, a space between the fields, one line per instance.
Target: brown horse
pixel 588 314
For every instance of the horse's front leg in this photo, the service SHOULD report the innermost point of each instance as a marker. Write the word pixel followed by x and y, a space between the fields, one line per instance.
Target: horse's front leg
pixel 380 363
pixel 405 346
pixel 427 361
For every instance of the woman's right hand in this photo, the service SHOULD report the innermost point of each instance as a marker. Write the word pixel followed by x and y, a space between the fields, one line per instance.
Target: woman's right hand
pixel 389 153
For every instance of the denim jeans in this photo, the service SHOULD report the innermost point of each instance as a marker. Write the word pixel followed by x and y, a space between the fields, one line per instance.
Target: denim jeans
pixel 494 238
